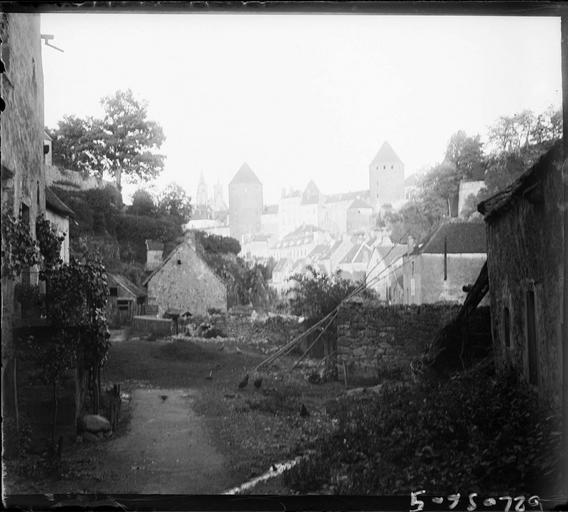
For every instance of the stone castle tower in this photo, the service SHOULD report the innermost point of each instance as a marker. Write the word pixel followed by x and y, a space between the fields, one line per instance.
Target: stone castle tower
pixel 245 203
pixel 386 178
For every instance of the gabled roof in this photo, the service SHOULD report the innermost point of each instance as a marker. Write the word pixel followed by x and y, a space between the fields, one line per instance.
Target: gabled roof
pixel 390 254
pixel 154 245
pixel 311 194
pixel 186 243
pixel 501 201
pixel 386 154
pixel 245 175
pixel 125 283
pixel 53 203
pixel 459 237
pixel 318 251
pixel 359 203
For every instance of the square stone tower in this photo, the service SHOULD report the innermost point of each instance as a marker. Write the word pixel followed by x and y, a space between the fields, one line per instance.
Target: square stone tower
pixel 386 178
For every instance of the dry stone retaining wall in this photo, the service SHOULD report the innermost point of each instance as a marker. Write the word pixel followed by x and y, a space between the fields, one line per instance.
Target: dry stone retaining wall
pixel 376 341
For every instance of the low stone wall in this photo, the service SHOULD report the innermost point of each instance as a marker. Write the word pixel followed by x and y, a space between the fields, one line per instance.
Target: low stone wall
pixel 377 342
pixel 153 325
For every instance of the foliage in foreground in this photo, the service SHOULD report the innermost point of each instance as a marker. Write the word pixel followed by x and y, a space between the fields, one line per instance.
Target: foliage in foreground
pixel 478 432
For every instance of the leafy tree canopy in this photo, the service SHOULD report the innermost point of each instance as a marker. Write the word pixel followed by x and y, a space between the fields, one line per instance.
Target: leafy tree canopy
pixel 175 203
pixel 124 141
pixel 142 203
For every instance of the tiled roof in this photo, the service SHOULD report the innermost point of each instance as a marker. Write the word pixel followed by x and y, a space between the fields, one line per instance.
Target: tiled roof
pixel 386 154
pixel 364 250
pixel 348 258
pixel 502 200
pixel 359 203
pixel 460 237
pixel 125 283
pixel 245 175
pixel 53 203
pixel 318 251
pixel 392 253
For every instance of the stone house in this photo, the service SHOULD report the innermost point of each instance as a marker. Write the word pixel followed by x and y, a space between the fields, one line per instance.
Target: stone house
pixel 439 268
pixel 354 264
pixel 59 214
pixel 125 300
pixel 154 254
pixel 22 160
pixel 300 242
pixel 184 282
pixel 359 215
pixel 385 273
pixel 525 269
pixel 245 203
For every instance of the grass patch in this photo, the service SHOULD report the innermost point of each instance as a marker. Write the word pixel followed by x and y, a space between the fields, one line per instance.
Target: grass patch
pixel 180 350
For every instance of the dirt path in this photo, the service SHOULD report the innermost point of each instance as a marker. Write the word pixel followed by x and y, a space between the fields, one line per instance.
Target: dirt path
pixel 167 449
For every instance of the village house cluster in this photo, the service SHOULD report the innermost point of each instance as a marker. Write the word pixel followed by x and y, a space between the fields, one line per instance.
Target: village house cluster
pixel 521 238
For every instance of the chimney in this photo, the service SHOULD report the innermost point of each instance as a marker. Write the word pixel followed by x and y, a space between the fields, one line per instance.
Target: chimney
pixel 411 244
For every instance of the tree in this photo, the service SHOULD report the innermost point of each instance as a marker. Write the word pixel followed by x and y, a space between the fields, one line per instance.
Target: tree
pixel 466 154
pixel 142 203
pixel 124 141
pixel 176 203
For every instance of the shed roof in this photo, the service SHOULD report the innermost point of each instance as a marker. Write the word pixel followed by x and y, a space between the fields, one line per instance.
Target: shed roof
pixel 502 200
pixel 125 283
pixel 245 175
pixel 460 238
pixel 53 203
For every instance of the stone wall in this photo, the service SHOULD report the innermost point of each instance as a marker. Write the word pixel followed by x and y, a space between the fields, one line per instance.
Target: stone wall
pixel 72 180
pixel 22 128
pixel 153 325
pixel 272 330
pixel 376 341
pixel 525 259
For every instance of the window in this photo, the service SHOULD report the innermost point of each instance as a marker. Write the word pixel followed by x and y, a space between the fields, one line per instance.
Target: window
pixel 123 305
pixel 179 262
pixel 507 326
pixel 113 291
pixel 531 337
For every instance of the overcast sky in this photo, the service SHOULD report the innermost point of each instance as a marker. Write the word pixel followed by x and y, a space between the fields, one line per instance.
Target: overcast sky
pixel 302 97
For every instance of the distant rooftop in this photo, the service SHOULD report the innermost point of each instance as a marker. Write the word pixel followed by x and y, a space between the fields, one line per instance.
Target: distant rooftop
pixel 458 237
pixel 245 175
pixel 386 154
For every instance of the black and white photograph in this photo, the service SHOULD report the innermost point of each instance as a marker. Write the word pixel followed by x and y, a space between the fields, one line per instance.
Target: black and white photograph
pixel 300 252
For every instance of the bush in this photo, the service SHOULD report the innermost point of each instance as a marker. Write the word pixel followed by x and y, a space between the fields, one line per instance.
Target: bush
pixel 479 432
pixel 218 244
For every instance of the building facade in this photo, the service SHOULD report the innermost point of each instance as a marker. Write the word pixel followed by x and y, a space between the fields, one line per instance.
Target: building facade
pixel 525 270
pixel 185 283
pixel 439 268
pixel 22 161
